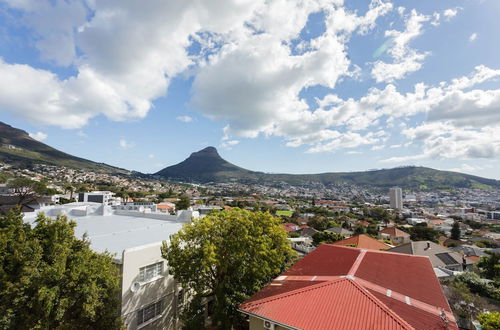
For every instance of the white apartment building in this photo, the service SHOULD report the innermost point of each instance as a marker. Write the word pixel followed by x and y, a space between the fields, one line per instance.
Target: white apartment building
pixel 396 198
pixel 103 197
pixel 149 295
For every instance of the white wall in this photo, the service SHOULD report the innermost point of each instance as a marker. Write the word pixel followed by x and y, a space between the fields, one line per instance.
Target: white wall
pixel 163 287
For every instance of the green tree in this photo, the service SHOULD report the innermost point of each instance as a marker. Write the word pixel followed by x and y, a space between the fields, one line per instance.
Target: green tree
pixel 183 203
pixel 26 190
pixel 490 320
pixel 423 233
pixel 319 223
pixel 359 229
pixel 372 230
pixel 465 304
pixel 489 266
pixel 51 280
pixel 326 237
pixel 228 255
pixel 455 231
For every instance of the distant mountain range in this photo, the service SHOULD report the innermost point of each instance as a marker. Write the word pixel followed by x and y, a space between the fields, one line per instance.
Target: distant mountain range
pixel 18 148
pixel 208 166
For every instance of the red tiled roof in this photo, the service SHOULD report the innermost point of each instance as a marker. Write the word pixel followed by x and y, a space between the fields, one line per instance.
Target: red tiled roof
pixel 164 207
pixel 473 259
pixel 348 311
pixel 324 261
pixel 310 294
pixel 416 317
pixel 413 277
pixel 363 242
pixel 393 231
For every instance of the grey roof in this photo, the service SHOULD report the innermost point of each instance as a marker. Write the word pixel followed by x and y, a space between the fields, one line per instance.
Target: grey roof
pixel 115 233
pixel 469 250
pixel 308 232
pixel 440 256
pixel 340 230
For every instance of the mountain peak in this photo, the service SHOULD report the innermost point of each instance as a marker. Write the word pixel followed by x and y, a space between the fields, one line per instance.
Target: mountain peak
pixel 206 151
pixel 203 165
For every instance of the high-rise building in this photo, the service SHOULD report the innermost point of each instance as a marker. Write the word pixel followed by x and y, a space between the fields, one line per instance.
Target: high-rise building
pixel 396 198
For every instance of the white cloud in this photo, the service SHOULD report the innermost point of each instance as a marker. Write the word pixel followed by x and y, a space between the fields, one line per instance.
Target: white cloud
pixel 473 37
pixel 450 13
pixel 151 156
pixel 405 59
pixel 259 78
pixel 39 136
pixel 124 144
pixel 467 168
pixel 130 51
pixel 82 134
pixel 54 24
pixel 229 144
pixel 184 119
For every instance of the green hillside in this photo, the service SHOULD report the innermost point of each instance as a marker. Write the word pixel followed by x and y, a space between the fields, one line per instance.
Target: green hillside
pixel 18 148
pixel 207 166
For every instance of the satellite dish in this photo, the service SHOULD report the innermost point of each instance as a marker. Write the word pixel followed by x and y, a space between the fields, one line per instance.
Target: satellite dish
pixel 135 287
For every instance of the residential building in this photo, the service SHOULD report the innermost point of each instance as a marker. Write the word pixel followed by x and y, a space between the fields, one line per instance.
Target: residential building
pixel 363 242
pixel 396 198
pixel 149 295
pixel 396 236
pixel 342 231
pixel 103 197
pixel 493 215
pixel 440 256
pixel 337 287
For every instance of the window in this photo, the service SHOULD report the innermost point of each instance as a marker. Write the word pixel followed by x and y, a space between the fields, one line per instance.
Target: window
pixel 150 312
pixel 151 271
pixel 180 298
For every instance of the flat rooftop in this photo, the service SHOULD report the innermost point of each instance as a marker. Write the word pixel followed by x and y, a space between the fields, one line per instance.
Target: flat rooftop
pixel 115 233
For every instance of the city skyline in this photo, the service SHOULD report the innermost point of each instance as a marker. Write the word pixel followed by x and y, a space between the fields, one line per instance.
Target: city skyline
pixel 327 88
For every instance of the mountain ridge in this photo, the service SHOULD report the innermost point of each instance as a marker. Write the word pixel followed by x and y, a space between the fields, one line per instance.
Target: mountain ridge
pixel 207 165
pixel 17 147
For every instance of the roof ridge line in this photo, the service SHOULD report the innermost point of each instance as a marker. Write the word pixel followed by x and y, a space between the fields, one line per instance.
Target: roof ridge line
pixel 294 292
pixel 357 262
pixel 394 295
pixel 380 304
pixel 358 286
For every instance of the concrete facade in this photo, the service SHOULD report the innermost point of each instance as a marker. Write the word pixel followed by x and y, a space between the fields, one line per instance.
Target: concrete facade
pixel 396 198
pixel 137 294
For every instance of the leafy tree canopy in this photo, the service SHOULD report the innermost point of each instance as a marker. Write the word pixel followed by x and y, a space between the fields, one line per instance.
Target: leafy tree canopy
pixel 183 203
pixel 326 237
pixel 51 280
pixel 455 231
pixel 26 190
pixel 489 266
pixel 228 255
pixel 490 321
pixel 423 233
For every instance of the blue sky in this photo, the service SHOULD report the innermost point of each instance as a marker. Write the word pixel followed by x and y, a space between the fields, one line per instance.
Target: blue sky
pixel 278 86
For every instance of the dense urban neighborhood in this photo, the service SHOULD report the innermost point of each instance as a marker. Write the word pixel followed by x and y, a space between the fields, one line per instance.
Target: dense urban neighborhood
pixel 355 257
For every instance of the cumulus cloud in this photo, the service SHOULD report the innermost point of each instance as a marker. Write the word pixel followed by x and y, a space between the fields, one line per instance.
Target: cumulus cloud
pixel 229 144
pixel 39 136
pixel 473 37
pixel 450 13
pixel 249 72
pixel 130 51
pixel 254 84
pixel 124 144
pixel 405 59
pixel 184 119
